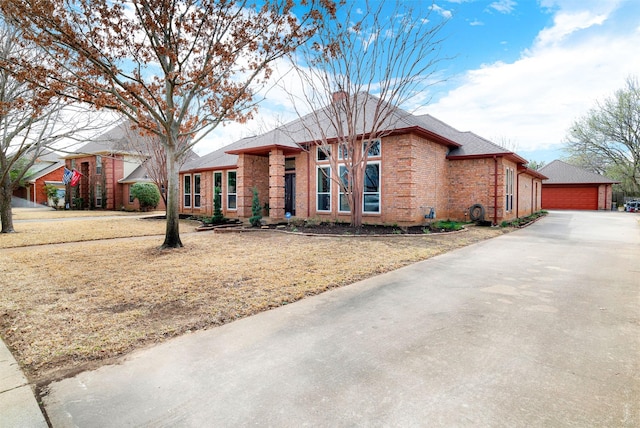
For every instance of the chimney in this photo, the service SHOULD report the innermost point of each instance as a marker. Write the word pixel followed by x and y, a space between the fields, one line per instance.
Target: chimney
pixel 339 96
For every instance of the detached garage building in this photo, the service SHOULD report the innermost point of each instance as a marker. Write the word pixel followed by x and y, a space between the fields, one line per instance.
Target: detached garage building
pixel 572 188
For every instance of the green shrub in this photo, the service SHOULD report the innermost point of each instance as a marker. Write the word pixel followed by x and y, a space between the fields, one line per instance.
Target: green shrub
pixel 217 208
pixel 256 209
pixel 147 195
pixel 448 225
pixel 52 193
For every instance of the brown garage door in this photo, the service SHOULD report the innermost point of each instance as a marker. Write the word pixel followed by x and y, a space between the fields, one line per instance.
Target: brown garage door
pixel 570 198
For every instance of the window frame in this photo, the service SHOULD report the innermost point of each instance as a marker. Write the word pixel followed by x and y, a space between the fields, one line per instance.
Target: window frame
pixel 197 188
pixel 379 192
pixel 509 184
pixel 327 176
pixel 377 142
pixel 218 173
pixel 98 195
pixel 186 190
pixel 98 165
pixel 325 156
pixel 234 193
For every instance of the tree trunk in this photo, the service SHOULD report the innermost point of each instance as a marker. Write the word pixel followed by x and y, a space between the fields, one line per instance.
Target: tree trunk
pixel 5 206
pixel 357 189
pixel 172 234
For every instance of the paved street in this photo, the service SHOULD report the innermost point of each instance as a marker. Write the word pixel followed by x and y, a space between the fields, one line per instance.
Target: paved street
pixel 536 328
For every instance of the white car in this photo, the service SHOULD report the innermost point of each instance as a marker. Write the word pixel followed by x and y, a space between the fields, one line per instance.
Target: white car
pixel 632 206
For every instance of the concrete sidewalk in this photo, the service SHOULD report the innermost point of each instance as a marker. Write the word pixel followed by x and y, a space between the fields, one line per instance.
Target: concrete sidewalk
pixel 18 406
pixel 537 328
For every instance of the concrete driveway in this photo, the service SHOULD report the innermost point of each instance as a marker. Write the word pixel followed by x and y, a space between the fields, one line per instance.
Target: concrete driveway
pixel 537 328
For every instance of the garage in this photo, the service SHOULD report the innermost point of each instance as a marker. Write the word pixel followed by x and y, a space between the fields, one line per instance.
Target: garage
pixel 569 197
pixel 569 187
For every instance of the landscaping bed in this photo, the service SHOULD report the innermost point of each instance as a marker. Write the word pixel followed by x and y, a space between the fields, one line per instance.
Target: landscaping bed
pixel 345 229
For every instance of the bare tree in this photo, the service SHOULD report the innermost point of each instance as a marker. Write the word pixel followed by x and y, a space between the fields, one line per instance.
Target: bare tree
pixel 154 157
pixel 607 139
pixel 390 51
pixel 175 68
pixel 32 120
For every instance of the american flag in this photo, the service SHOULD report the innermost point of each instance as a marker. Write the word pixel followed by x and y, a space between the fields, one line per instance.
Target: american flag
pixel 67 176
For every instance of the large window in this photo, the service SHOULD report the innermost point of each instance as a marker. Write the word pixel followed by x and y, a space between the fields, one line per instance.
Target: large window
pixel 371 199
pixel 232 195
pixel 323 189
pixel 509 189
pixel 187 191
pixel 196 190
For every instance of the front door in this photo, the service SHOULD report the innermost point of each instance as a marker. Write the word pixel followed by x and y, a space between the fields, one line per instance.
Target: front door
pixel 290 193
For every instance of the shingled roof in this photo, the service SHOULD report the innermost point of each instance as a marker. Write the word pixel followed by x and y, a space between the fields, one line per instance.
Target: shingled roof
pixel 560 172
pixel 116 140
pixel 319 125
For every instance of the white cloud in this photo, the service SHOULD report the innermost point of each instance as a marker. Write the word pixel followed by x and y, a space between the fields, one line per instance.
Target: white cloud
pixel 565 24
pixel 503 6
pixel 443 12
pixel 534 100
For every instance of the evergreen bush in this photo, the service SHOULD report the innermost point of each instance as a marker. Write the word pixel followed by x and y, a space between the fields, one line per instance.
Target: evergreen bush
pixel 217 207
pixel 147 195
pixel 256 209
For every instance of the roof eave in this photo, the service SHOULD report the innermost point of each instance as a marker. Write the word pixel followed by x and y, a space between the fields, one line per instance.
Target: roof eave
pixel 426 133
pixel 263 150
pixel 208 168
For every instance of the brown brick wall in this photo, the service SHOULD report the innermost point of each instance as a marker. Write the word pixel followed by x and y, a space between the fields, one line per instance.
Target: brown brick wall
pixel 253 171
pixel 529 195
pixel 41 193
pixel 471 181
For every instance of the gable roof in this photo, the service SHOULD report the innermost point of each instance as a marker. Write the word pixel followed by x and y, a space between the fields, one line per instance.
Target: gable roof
pixel 47 162
pixel 115 140
pixel 560 172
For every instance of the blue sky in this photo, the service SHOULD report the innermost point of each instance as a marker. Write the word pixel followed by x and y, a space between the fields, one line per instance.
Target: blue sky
pixel 522 70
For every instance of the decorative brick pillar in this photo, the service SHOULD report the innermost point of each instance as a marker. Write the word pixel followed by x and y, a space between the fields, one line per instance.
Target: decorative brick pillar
pixel 243 188
pixel 276 184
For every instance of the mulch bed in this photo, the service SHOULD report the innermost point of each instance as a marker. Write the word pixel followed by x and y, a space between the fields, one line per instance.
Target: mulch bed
pixel 327 228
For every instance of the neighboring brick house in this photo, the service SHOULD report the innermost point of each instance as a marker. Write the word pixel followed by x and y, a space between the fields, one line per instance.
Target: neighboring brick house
pixel 109 166
pixel 569 187
pixel 418 165
pixel 47 169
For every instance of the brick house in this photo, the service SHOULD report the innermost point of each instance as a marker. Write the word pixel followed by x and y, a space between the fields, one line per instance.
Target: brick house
pixel 109 165
pixel 418 165
pixel 47 169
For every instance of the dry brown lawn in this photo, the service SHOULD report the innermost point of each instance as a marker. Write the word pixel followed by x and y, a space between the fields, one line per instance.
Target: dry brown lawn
pixel 70 307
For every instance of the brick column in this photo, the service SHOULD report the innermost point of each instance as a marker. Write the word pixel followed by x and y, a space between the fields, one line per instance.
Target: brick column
pixel 243 188
pixel 276 184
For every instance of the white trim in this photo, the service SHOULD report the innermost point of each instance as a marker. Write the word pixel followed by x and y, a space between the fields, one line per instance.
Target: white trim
pixel 199 194
pixel 379 192
pixel 234 193
pixel 213 188
pixel 184 191
pixel 328 177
